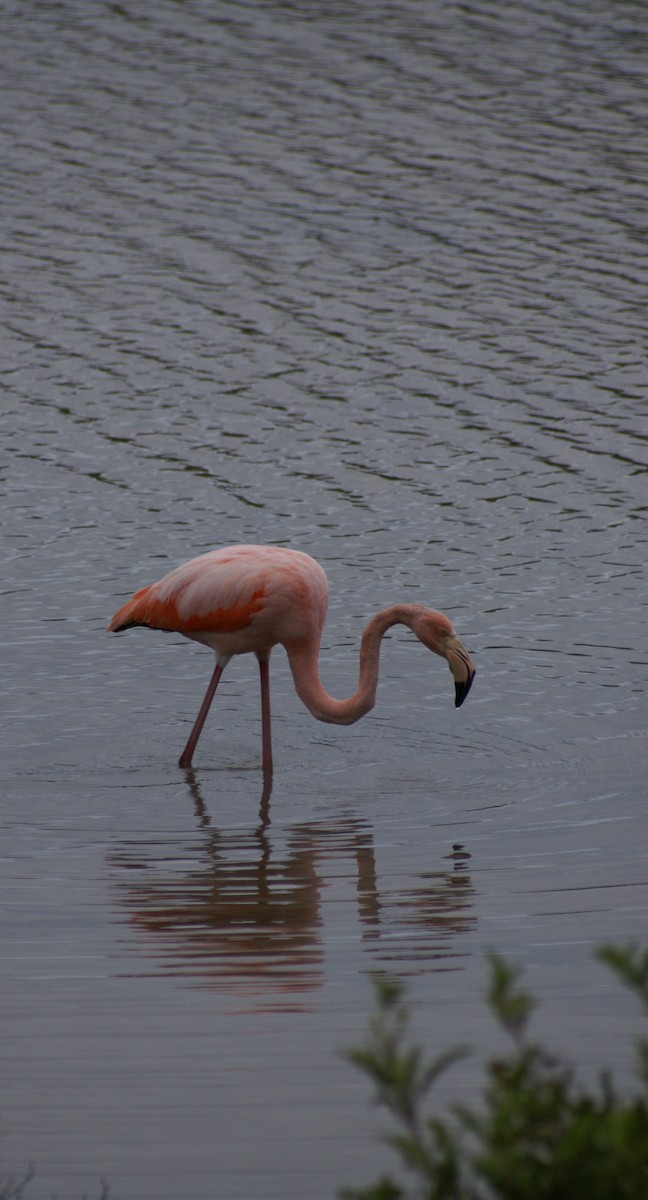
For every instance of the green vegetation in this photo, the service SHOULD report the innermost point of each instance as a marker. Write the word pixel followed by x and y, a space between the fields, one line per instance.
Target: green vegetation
pixel 14 1189
pixel 537 1134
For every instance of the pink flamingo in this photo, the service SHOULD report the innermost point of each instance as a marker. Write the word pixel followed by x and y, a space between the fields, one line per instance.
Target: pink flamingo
pixel 244 599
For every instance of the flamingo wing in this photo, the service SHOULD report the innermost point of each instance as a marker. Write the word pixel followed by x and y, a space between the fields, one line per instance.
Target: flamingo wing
pixel 212 593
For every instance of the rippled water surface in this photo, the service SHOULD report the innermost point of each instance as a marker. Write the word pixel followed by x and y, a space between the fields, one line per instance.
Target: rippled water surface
pixel 367 280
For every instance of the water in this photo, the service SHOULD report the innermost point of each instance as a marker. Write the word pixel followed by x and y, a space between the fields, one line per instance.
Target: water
pixel 368 281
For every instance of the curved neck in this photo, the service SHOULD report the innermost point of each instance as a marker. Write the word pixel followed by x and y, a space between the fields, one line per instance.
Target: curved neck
pixel 303 660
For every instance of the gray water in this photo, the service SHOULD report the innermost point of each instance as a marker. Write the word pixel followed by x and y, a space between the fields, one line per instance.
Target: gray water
pixel 368 280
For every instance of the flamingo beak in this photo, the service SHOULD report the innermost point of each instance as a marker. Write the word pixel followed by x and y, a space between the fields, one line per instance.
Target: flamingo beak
pixel 462 667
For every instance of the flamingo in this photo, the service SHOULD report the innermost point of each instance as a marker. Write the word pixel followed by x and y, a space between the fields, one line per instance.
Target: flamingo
pixel 247 599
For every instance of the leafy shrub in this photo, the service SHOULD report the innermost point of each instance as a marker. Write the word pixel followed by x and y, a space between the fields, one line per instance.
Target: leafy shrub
pixel 538 1135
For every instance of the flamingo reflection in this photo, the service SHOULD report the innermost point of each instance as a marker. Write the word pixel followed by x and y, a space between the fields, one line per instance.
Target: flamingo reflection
pixel 246 909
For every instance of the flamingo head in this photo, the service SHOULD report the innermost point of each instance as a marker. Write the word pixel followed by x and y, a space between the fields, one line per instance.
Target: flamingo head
pixel 436 632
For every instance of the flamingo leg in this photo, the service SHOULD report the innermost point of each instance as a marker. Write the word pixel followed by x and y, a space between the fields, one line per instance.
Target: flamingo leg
pixel 187 753
pixel 266 731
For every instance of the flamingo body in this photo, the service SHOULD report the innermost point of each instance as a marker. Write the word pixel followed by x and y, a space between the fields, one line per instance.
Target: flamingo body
pixel 237 600
pixel 247 599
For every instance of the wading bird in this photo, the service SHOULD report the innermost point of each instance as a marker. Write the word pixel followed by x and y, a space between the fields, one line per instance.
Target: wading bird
pixel 247 599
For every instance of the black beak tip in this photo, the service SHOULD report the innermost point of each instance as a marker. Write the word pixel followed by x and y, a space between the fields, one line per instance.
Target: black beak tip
pixel 461 690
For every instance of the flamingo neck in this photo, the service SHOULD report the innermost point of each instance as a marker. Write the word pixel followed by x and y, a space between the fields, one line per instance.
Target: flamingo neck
pixel 303 660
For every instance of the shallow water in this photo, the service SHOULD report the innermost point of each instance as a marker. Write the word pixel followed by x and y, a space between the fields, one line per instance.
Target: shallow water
pixel 369 282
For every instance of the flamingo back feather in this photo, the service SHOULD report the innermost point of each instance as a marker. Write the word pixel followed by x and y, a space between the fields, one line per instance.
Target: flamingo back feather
pixel 224 590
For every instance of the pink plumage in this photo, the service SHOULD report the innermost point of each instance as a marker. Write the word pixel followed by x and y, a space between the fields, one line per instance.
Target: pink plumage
pixel 247 599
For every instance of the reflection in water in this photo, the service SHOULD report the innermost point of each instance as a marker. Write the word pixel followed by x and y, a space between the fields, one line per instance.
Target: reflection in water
pixel 232 909
pixel 369 280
